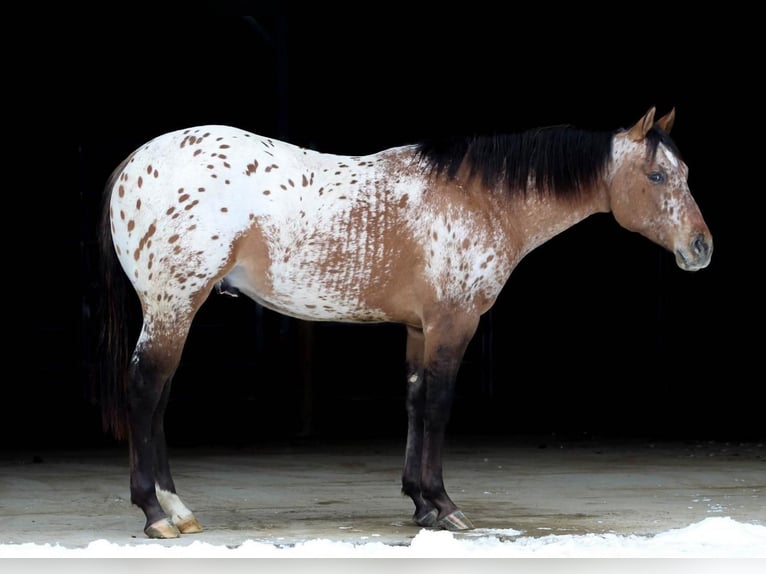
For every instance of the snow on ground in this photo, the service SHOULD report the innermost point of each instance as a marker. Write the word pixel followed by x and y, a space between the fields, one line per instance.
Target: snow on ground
pixel 714 537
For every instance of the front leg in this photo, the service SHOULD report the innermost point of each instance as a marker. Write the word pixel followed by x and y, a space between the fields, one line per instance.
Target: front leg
pixel 429 402
pixel 425 512
pixel 441 377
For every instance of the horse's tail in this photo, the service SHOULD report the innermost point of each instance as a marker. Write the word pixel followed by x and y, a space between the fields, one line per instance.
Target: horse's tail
pixel 114 348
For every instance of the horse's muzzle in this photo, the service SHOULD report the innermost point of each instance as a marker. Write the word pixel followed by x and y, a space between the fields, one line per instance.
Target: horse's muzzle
pixel 696 255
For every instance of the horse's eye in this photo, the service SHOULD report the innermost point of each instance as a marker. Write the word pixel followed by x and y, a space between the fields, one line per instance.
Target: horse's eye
pixel 656 177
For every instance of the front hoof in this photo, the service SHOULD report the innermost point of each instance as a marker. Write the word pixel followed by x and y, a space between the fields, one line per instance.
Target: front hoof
pixel 428 519
pixel 456 521
pixel 188 525
pixel 162 529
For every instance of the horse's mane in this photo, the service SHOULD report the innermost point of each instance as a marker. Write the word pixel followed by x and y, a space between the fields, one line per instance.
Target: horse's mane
pixel 561 160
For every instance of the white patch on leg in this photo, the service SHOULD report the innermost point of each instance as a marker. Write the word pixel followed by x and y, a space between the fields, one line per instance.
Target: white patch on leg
pixel 172 505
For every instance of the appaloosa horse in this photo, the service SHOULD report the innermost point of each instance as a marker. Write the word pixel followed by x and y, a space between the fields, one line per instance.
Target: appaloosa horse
pixel 422 235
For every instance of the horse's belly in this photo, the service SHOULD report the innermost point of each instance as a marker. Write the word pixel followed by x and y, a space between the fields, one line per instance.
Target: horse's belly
pixel 306 295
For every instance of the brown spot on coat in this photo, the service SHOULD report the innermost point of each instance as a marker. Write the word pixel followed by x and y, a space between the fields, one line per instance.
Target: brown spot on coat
pixel 149 232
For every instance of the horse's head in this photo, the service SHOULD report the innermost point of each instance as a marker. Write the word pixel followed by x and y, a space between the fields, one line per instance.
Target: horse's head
pixel 649 192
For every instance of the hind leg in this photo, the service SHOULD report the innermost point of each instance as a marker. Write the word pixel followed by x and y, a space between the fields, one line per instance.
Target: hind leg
pixel 152 367
pixel 179 514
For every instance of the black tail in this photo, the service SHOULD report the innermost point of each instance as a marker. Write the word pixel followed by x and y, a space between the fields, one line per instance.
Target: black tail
pixel 114 349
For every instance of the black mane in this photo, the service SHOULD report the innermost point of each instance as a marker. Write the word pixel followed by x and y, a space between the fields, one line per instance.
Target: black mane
pixel 562 160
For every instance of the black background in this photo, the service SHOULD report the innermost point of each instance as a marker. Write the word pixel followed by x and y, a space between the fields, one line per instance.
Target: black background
pixel 597 333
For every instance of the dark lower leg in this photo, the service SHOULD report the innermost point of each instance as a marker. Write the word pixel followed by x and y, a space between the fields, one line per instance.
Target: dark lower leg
pixel 448 515
pixel 144 396
pixel 442 364
pixel 436 417
pixel 163 478
pixel 180 515
pixel 425 513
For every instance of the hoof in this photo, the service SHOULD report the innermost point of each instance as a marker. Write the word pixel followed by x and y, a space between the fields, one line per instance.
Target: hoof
pixel 428 519
pixel 162 529
pixel 455 521
pixel 188 525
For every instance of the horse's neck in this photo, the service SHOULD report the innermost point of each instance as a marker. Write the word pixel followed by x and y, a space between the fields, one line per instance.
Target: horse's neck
pixel 535 218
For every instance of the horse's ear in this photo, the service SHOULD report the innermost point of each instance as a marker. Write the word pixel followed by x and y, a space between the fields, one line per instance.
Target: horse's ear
pixel 666 121
pixel 642 126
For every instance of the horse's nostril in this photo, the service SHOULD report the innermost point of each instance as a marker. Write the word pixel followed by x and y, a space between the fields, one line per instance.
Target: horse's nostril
pixel 699 245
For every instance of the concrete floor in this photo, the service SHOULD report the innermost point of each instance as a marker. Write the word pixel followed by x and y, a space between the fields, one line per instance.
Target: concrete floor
pixel 283 494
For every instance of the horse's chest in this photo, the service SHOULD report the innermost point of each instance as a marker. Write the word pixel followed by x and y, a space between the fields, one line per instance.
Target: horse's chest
pixel 466 259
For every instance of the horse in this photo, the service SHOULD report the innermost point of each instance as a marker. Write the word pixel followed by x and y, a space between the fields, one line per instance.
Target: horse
pixel 423 235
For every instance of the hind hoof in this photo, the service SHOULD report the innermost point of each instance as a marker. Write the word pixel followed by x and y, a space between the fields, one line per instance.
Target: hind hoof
pixel 162 529
pixel 188 525
pixel 455 522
